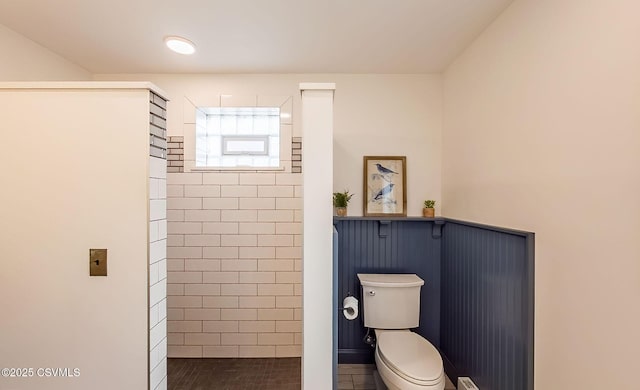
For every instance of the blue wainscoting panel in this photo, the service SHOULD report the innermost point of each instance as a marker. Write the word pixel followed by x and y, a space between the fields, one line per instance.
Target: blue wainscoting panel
pixel 369 245
pixel 336 305
pixel 487 305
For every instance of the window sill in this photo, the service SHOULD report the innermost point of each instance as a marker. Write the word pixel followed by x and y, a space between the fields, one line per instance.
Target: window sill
pixel 237 169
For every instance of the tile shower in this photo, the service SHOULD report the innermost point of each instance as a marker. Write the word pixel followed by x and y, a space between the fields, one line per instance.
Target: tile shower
pixel 234 261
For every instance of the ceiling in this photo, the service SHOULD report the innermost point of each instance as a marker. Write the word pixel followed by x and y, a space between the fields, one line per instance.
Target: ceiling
pixel 255 36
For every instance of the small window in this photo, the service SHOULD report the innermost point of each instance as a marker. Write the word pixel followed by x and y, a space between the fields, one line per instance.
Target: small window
pixel 256 145
pixel 238 137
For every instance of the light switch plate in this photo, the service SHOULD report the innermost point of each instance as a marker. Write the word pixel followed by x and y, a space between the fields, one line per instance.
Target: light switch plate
pixel 97 262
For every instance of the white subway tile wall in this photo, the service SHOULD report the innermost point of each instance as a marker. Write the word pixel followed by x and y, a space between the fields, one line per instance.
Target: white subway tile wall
pixel 158 288
pixel 234 264
pixel 157 273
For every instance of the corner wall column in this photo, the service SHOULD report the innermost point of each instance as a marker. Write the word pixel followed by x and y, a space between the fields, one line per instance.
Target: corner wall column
pixel 317 263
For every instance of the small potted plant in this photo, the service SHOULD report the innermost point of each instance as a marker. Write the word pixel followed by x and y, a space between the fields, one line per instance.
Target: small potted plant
pixel 340 202
pixel 429 211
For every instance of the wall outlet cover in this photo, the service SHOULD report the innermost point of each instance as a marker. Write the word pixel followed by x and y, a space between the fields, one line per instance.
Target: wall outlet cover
pixel 97 262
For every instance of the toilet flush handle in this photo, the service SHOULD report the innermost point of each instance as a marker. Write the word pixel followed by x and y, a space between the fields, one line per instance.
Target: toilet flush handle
pixel 372 292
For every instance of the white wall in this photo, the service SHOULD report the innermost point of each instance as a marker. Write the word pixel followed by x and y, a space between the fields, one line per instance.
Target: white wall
pixel 25 60
pixel 396 115
pixel 542 133
pixel 75 177
pixel 317 126
pixel 374 115
pixel 234 261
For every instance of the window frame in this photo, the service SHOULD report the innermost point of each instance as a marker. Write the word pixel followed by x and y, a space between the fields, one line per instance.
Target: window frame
pixel 194 107
pixel 265 142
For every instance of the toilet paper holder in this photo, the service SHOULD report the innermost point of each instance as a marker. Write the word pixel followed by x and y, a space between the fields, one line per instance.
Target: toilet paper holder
pixel 349 307
pixel 344 308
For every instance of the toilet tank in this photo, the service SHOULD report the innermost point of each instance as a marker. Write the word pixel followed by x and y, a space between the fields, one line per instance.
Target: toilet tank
pixel 391 301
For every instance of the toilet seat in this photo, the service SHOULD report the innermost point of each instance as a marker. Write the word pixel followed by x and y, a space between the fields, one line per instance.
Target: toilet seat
pixel 410 357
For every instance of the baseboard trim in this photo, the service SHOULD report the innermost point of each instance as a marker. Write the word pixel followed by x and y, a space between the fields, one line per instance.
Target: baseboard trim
pixel 449 368
pixel 356 356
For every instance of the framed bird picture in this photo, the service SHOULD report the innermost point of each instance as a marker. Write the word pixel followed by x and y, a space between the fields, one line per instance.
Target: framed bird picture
pixel 385 186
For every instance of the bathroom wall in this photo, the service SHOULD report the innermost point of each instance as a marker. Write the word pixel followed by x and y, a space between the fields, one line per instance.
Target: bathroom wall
pixel 377 246
pixel 157 244
pixel 487 292
pixel 234 264
pixel 476 305
pixel 317 125
pixel 157 273
pixel 25 60
pixel 542 134
pixel 63 192
pixel 381 114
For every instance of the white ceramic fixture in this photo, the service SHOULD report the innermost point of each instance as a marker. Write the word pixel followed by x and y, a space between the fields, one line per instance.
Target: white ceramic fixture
pixel 404 359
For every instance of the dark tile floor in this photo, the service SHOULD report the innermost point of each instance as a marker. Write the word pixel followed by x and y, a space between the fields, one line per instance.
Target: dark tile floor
pixel 234 374
pixel 361 376
pixel 262 374
pixel 356 376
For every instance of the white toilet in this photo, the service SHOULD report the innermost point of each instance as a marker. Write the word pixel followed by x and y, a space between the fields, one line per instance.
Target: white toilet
pixel 404 359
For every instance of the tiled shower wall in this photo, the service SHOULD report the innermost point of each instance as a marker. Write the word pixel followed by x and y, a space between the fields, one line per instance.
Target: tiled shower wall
pixel 157 244
pixel 175 154
pixel 234 264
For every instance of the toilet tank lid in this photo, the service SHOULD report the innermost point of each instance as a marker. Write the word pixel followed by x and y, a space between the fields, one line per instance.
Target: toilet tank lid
pixel 390 280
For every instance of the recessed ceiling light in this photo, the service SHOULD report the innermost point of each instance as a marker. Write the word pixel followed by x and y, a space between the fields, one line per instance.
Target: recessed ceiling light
pixel 180 45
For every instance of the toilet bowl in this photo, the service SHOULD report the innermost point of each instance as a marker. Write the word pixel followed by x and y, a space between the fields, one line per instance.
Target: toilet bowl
pixel 407 361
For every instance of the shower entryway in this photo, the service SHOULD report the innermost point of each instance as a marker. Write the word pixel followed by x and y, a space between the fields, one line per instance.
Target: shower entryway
pixel 234 260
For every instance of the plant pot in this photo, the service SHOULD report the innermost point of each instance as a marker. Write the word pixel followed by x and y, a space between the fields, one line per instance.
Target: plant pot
pixel 341 211
pixel 429 213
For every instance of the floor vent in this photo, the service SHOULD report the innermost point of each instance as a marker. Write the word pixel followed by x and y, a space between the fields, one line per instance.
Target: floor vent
pixel 465 383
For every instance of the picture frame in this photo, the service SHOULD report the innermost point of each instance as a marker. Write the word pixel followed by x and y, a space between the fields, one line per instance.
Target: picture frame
pixel 385 186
